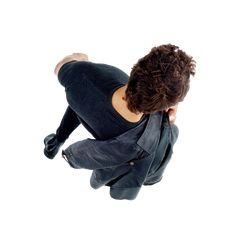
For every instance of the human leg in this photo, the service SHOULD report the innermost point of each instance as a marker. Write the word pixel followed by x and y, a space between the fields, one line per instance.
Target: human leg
pixel 53 141
pixel 67 125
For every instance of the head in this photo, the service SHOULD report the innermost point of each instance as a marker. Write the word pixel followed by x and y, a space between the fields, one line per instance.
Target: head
pixel 159 80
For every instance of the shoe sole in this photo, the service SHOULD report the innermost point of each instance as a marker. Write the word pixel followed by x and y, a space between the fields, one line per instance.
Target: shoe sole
pixel 45 142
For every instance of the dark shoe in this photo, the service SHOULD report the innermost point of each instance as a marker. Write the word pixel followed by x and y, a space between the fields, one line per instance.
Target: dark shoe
pixel 52 146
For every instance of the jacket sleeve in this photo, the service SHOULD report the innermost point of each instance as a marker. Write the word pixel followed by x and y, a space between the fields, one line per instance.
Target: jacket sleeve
pixel 163 155
pixel 98 154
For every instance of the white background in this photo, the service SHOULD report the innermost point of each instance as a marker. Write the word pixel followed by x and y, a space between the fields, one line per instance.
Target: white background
pixel 46 201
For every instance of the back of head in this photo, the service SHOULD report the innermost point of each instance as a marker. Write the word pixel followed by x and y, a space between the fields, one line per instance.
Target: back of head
pixel 159 80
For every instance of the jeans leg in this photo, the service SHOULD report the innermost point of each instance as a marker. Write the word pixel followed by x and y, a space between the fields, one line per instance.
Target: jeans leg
pixel 67 125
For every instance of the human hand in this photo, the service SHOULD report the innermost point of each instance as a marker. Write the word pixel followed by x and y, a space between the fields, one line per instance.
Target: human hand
pixel 71 57
pixel 79 56
pixel 172 113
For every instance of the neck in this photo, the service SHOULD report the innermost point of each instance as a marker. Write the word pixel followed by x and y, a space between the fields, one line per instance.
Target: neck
pixel 121 97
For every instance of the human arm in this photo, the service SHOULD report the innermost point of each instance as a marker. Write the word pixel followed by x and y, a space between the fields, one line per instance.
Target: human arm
pixel 71 57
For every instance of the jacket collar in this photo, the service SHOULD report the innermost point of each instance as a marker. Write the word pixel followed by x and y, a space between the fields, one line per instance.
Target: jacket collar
pixel 151 135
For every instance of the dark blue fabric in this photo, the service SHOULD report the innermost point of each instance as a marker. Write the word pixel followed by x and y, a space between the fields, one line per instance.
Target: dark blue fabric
pixel 89 88
pixel 123 155
pixel 128 161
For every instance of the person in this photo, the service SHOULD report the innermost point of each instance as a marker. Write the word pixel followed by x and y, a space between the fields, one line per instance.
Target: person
pixel 111 105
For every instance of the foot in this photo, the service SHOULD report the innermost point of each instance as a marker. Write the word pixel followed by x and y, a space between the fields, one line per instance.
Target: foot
pixel 52 146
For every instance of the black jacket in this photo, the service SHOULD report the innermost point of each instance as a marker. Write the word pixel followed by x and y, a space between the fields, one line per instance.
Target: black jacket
pixel 128 161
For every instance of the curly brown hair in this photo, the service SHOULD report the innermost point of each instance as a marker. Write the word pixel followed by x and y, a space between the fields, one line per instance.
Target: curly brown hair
pixel 159 80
